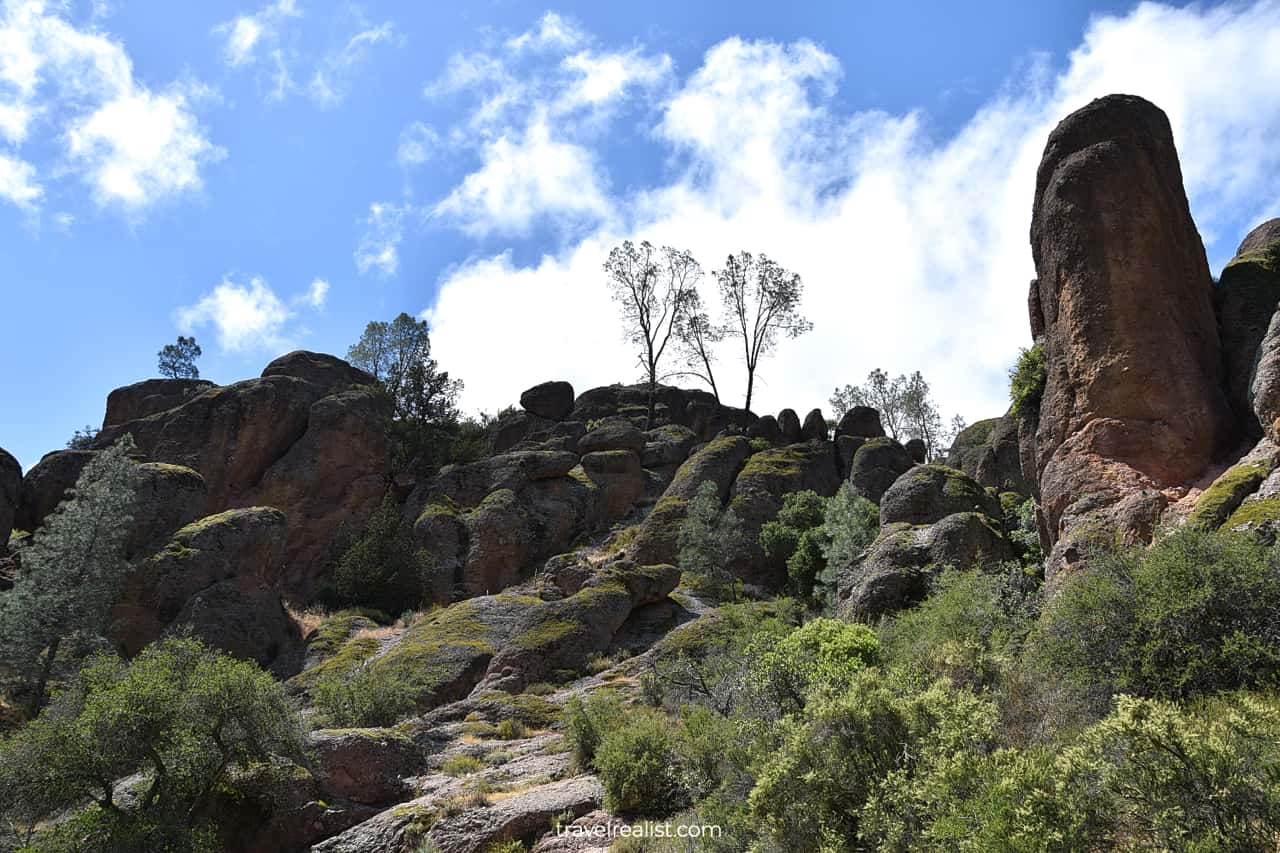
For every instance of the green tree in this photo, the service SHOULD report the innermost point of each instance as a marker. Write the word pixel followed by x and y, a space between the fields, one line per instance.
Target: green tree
pixel 796 537
pixel 424 399
pixel 655 289
pixel 920 414
pixel 180 714
pixel 178 361
pixel 762 301
pixel 850 524
pixel 1026 382
pixel 71 570
pixel 382 567
pixel 710 539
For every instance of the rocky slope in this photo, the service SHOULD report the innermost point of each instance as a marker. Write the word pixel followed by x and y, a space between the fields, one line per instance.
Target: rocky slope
pixel 554 557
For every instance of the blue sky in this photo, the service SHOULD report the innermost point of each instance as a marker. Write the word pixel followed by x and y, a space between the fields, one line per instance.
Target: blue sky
pixel 271 175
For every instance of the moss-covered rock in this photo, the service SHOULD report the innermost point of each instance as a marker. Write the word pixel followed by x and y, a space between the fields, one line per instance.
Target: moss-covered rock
pixel 929 493
pixel 1217 503
pixel 758 493
pixel 877 463
pixel 719 462
pixel 1245 299
pixel 1254 514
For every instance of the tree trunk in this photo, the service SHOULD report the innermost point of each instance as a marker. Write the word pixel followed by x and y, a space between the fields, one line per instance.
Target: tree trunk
pixel 751 381
pixel 649 419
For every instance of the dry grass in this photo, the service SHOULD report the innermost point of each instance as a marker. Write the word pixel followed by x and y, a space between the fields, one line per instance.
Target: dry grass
pixel 308 618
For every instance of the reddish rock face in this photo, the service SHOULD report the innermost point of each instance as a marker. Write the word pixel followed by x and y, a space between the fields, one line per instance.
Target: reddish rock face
pixel 1123 305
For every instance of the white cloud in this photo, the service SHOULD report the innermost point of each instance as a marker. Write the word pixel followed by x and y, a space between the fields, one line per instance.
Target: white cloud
pixel 18 183
pixel 913 247
pixel 379 249
pixel 316 294
pixel 522 178
pixel 603 78
pixel 133 146
pixel 244 34
pixel 245 317
pixel 418 143
pixel 554 32
pixel 330 81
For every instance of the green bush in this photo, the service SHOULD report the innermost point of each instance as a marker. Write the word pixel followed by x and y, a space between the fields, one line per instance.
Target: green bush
pixel 587 722
pixel 970 629
pixel 824 654
pixel 363 696
pixel 382 567
pixel 710 539
pixel 183 717
pixel 637 765
pixel 461 765
pixel 796 538
pixel 1026 382
pixel 1195 613
pixel 839 758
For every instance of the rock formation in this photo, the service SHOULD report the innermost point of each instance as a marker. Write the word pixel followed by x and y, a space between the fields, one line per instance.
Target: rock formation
pixel 10 495
pixel 1134 400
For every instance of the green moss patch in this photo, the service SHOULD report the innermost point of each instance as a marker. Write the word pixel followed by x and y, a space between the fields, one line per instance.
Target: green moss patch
pixel 1254 513
pixel 1227 493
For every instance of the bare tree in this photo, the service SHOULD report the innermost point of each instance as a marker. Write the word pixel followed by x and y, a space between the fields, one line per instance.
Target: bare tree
pixel 762 301
pixel 697 336
pixel 654 288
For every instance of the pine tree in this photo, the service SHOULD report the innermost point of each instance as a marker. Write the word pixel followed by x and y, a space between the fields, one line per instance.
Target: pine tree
pixel 710 538
pixel 71 570
pixel 178 361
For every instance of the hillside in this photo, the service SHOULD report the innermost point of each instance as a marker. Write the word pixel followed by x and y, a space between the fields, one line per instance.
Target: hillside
pixel 1064 635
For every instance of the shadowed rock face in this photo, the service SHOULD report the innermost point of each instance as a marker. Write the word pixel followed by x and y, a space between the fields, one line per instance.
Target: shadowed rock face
pixel 10 494
pixel 1123 304
pixel 307 437
pixel 150 396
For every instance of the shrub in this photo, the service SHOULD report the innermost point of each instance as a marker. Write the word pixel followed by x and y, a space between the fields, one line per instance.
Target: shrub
pixel 833 760
pixel 180 715
pixel 1026 382
pixel 637 765
pixel 382 567
pixel 363 696
pixel 824 654
pixel 1195 613
pixel 969 630
pixel 586 723
pixel 510 729
pixel 461 765
pixel 1023 533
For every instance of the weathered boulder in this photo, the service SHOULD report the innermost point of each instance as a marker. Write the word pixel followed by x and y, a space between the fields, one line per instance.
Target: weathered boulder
pixel 168 497
pixel 719 462
pixel 757 496
pixel 512 428
pixel 929 493
pixel 667 445
pixel 1247 295
pixel 896 570
pixel 767 428
pixel 862 422
pixel 149 397
pixel 917 450
pixel 10 494
pixel 468 483
pixel 500 542
pixel 612 434
pixel 814 427
pixel 1264 389
pixel 619 479
pixel 876 465
pixel 45 485
pixel 789 426
pixel 365 765
pixel 328 372
pixel 1123 306
pixel 846 447
pixel 698 410
pixel 989 451
pixel 218 577
pixel 1230 489
pixel 550 400
pixel 1260 237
